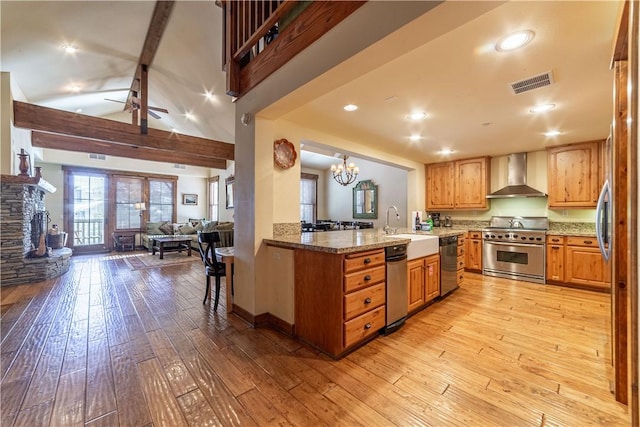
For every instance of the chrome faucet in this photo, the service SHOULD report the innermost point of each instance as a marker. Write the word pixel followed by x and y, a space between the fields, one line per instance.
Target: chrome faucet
pixel 386 226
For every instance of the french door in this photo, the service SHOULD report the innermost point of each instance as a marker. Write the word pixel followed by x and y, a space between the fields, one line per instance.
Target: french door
pixel 86 195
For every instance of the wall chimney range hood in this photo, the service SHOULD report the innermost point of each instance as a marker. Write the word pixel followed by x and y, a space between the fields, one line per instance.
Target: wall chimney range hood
pixel 516 180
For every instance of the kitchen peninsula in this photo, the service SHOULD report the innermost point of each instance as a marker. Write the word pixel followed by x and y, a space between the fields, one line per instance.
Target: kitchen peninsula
pixel 340 285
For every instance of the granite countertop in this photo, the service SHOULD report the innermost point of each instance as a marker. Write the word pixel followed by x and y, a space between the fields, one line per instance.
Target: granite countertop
pixel 586 229
pixel 348 241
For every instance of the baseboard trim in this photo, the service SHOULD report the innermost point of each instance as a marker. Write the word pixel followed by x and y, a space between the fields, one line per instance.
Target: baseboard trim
pixel 265 320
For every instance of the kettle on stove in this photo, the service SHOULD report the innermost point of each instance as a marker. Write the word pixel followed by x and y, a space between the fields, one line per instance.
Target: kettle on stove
pixel 447 221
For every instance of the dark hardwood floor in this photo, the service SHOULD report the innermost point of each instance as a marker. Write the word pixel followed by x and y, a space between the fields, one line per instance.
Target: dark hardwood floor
pixel 118 341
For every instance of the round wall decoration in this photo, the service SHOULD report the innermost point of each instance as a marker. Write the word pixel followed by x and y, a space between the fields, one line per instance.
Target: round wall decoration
pixel 284 153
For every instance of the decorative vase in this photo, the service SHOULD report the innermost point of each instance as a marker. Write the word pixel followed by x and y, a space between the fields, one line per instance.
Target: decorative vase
pixel 24 163
pixel 38 173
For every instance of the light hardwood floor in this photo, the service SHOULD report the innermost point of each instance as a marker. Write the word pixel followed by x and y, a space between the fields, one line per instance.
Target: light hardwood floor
pixel 113 343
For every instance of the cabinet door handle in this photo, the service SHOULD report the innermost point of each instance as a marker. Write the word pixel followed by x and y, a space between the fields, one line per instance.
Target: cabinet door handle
pixel 588 242
pixel 367 326
pixel 367 277
pixel 555 247
pixel 555 240
pixel 367 300
pixel 367 260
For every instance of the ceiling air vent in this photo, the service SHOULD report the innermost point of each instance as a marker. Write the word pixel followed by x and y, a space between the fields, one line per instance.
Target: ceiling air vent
pixel 97 156
pixel 531 83
pixel 179 166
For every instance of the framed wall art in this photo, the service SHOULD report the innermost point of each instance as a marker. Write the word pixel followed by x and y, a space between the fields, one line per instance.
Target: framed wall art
pixel 189 199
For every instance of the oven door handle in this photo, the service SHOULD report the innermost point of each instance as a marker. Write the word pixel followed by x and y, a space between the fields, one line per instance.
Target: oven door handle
pixel 524 245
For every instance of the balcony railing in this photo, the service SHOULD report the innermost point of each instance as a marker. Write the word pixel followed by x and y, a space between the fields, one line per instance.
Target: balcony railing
pixel 260 36
pixel 88 232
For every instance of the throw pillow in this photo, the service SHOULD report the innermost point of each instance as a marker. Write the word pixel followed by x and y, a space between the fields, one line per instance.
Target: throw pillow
pixel 187 229
pixel 166 228
pixel 199 226
pixel 195 221
pixel 153 228
pixel 209 227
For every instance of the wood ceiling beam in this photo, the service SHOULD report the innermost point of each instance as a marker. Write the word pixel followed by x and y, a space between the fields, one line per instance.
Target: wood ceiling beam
pixel 159 21
pixel 46 119
pixel 86 145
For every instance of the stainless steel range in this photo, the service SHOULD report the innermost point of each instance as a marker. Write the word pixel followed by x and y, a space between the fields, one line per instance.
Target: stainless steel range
pixel 514 247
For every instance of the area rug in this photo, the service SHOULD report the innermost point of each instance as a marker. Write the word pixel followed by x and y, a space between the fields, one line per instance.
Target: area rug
pixel 146 260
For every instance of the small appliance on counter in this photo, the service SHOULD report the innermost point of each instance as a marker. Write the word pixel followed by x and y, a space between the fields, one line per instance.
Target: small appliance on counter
pixel 448 222
pixel 435 216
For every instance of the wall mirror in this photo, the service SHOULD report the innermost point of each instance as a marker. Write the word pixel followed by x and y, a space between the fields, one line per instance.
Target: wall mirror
pixel 229 191
pixel 365 200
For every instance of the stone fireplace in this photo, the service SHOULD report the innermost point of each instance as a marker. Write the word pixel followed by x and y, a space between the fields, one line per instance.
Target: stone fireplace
pixel 24 257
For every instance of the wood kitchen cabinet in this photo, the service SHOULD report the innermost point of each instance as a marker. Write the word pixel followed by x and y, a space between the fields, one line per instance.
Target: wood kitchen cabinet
pixel 473 255
pixel 461 258
pixel 462 184
pixel 574 175
pixel 576 261
pixel 471 183
pixel 584 264
pixel 423 281
pixel 555 258
pixel 340 299
pixel 440 186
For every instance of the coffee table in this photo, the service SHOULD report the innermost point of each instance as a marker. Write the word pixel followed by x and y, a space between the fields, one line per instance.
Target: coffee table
pixel 174 244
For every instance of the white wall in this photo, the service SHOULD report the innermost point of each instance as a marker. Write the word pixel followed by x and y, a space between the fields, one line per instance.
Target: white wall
pixel 392 190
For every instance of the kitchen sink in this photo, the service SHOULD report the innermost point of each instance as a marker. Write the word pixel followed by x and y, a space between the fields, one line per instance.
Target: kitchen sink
pixel 420 245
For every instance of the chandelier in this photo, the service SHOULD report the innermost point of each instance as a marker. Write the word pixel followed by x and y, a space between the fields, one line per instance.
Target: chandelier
pixel 350 172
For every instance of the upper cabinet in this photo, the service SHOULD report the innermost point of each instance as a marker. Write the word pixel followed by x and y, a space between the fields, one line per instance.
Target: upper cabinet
pixel 462 184
pixel 440 185
pixel 471 181
pixel 573 175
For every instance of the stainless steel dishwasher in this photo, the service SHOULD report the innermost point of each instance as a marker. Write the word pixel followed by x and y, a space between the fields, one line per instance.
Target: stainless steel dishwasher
pixel 448 264
pixel 397 302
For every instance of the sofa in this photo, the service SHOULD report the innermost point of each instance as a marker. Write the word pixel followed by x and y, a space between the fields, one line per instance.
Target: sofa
pixel 189 229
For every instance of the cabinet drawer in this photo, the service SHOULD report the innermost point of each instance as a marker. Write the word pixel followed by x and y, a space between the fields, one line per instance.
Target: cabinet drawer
pixel 555 240
pixel 460 276
pixel 363 300
pixel 364 326
pixel 475 234
pixel 591 242
pixel 460 262
pixel 363 260
pixel 361 279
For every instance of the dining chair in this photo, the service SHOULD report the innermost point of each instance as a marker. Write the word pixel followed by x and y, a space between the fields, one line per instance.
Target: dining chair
pixel 207 242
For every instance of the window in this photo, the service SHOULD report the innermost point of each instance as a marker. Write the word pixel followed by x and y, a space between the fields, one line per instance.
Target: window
pixel 161 200
pixel 129 191
pixel 308 197
pixel 214 198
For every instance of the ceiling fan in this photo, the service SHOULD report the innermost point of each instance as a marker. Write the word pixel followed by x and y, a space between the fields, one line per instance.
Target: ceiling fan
pixel 135 105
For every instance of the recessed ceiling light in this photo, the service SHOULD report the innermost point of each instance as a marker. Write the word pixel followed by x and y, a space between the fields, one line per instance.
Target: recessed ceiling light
pixel 446 151
pixel 514 41
pixel 552 133
pixel 174 130
pixel 417 115
pixel 415 138
pixel 78 110
pixel 189 116
pixel 541 108
pixel 208 94
pixel 74 88
pixel 69 48
pixel 350 107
